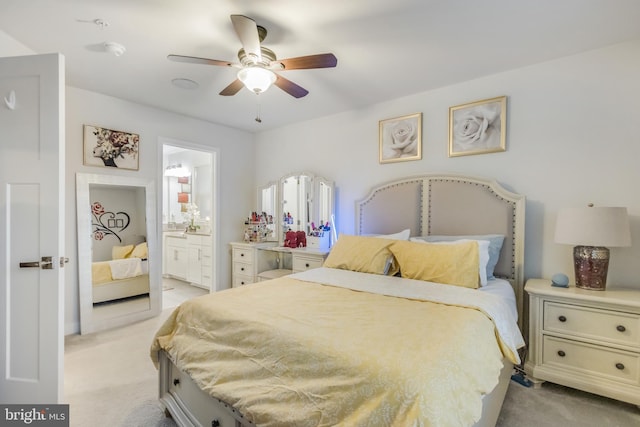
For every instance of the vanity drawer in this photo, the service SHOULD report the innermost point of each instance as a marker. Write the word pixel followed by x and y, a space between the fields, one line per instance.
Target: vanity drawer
pixel 240 279
pixel 592 323
pixel 242 268
pixel 206 257
pixel 304 263
pixel 242 254
pixel 617 365
pixel 176 242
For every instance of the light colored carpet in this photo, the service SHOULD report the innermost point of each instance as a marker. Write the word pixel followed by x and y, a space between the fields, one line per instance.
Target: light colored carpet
pixel 110 381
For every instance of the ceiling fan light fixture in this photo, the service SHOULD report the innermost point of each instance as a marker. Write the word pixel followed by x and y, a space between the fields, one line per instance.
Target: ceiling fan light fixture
pixel 256 79
pixel 115 48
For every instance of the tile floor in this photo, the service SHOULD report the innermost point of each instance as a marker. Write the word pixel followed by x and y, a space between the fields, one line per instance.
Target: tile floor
pixel 176 291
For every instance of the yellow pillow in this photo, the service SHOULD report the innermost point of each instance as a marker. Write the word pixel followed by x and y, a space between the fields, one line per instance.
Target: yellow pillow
pixel 449 264
pixel 359 253
pixel 140 251
pixel 120 252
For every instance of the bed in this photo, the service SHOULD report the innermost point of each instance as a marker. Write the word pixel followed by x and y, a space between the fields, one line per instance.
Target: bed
pixel 126 275
pixel 347 344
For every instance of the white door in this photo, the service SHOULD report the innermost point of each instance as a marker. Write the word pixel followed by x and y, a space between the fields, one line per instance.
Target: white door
pixel 31 228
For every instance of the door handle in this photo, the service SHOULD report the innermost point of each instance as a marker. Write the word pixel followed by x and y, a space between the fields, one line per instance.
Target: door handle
pixel 46 263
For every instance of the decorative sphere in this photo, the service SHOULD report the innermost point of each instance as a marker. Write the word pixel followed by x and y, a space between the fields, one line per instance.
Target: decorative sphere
pixel 560 279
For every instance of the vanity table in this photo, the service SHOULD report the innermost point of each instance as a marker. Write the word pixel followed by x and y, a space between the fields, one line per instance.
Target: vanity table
pixel 256 262
pixel 297 201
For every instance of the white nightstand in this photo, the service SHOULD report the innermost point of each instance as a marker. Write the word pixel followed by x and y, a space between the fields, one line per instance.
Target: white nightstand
pixel 588 340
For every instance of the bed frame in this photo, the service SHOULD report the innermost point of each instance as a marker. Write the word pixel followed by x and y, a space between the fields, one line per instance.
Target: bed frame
pixel 123 288
pixel 430 204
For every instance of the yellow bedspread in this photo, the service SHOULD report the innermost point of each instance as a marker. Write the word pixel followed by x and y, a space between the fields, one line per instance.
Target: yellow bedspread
pixel 101 272
pixel 294 353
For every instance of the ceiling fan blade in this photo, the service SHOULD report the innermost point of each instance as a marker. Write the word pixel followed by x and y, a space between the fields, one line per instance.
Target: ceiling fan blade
pixel 194 60
pixel 247 31
pixel 290 87
pixel 323 60
pixel 233 88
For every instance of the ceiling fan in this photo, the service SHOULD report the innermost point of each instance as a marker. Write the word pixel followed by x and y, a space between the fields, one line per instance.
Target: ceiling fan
pixel 258 64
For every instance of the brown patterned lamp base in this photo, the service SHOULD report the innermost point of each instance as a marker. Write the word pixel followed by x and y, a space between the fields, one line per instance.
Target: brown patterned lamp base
pixel 591 264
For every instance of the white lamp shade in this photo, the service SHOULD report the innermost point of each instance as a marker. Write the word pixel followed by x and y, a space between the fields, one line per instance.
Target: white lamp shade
pixel 257 79
pixel 593 226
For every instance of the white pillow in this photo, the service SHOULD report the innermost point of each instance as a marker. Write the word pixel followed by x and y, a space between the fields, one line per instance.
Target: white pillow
pixel 401 235
pixel 483 252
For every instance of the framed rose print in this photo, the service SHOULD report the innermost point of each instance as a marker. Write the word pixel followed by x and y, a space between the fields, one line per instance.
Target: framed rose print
pixel 401 138
pixel 110 148
pixel 478 127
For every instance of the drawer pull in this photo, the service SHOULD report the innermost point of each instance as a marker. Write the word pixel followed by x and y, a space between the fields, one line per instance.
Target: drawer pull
pixel 241 254
pixel 562 318
pixel 620 366
pixel 242 283
pixel 241 268
pixel 176 381
pixel 561 353
pixel 307 265
pixel 620 328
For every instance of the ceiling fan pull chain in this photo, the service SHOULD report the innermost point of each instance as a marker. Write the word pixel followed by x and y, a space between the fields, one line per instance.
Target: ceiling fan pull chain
pixel 258 119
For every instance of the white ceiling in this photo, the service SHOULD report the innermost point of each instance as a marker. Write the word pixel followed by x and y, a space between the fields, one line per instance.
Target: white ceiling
pixel 385 48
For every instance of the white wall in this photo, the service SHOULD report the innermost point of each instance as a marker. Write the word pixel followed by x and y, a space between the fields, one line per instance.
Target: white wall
pixel 572 138
pixel 236 185
pixel 236 178
pixel 11 47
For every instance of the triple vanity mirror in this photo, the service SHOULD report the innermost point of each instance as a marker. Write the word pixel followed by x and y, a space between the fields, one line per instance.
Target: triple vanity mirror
pixel 118 261
pixel 296 201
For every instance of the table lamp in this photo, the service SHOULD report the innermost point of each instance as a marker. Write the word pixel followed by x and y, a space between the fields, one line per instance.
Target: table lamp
pixel 592 229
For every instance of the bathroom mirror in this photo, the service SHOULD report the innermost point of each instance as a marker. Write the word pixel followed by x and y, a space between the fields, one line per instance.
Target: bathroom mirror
pixel 118 260
pixel 304 199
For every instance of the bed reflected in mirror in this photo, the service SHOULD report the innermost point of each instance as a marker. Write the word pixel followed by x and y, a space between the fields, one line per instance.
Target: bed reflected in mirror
pixel 116 226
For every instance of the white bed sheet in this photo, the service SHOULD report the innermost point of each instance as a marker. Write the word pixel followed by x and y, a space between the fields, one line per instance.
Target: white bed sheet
pixel 503 289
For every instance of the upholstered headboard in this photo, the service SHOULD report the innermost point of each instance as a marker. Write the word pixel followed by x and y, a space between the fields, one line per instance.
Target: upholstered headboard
pixel 451 205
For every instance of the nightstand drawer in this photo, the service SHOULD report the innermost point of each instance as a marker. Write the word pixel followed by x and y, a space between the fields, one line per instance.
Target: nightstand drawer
pixel 244 255
pixel 616 365
pixel 303 263
pixel 592 323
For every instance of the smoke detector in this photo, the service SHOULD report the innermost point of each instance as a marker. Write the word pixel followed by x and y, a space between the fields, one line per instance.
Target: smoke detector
pixel 116 48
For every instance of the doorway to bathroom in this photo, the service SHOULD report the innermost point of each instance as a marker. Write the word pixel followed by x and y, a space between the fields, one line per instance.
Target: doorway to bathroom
pixel 189 218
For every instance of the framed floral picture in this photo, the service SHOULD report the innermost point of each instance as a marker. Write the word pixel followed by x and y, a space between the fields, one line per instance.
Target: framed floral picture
pixel 110 148
pixel 401 138
pixel 478 127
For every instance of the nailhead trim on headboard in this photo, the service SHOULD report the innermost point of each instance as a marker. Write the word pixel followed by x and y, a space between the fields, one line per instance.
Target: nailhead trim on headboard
pixel 516 204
